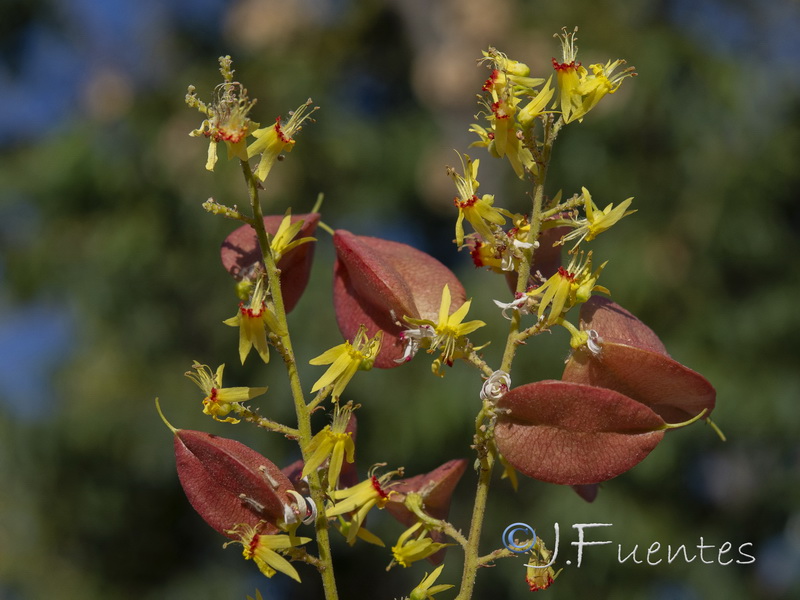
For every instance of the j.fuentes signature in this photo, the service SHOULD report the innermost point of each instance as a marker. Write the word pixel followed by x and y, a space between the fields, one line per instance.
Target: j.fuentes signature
pixel 654 554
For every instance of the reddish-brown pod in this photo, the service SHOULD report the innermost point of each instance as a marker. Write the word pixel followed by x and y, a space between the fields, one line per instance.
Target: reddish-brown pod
pixel 378 282
pixel 574 434
pixel 633 361
pixel 228 483
pixel 436 489
pixel 618 325
pixel 240 253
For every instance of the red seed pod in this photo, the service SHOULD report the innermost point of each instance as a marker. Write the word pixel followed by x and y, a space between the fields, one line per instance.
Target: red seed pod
pixel 240 253
pixel 436 489
pixel 574 434
pixel 615 324
pixel 227 483
pixel 633 361
pixel 378 282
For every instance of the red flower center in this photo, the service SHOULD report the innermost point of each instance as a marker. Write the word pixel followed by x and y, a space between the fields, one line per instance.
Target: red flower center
pixel 566 274
pixel 252 313
pixel 377 486
pixel 253 545
pixel 465 203
pixel 491 81
pixel 281 136
pixel 565 66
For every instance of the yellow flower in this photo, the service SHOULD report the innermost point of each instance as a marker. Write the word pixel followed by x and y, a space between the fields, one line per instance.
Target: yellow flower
pixel 263 549
pixel 566 288
pixel 478 211
pixel 220 401
pixel 227 116
pixel 359 500
pixel 278 138
pixel 426 590
pixel 345 359
pixel 596 221
pixel 568 74
pixel 601 81
pixel 334 442
pixel 508 73
pixel 580 90
pixel 449 333
pixel 408 550
pixel 283 241
pixel 253 321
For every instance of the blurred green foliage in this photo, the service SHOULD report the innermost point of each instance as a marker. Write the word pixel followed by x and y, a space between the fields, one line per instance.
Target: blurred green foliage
pixel 101 221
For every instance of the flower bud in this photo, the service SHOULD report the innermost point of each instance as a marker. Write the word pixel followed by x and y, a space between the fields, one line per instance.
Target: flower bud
pixel 574 434
pixel 228 484
pixel 633 361
pixel 240 254
pixel 378 282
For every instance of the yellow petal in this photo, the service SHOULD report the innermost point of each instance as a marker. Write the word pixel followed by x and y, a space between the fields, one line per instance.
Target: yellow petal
pixel 459 315
pixel 444 308
pixel 274 562
pixel 337 368
pixel 329 355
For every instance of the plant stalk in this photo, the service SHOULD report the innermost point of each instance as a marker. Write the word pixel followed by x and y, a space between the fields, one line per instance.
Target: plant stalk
pixel 301 409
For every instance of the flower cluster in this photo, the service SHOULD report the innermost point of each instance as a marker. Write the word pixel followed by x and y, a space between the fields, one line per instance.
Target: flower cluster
pixel 580 89
pixel 619 393
pixel 227 121
pixel 508 122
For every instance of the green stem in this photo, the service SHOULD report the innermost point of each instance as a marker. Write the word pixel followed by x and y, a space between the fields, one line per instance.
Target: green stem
pixel 303 414
pixel 524 269
pixel 444 526
pixel 476 361
pixel 252 416
pixel 471 557
pixel 484 436
pixel 493 556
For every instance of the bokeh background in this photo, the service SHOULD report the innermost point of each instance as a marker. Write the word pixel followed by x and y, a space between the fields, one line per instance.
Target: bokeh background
pixel 111 283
